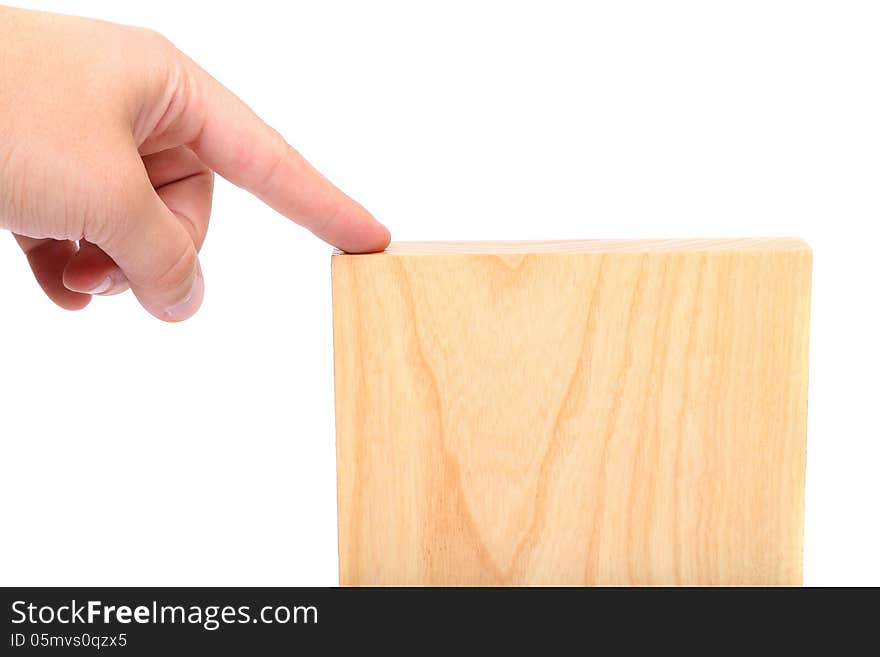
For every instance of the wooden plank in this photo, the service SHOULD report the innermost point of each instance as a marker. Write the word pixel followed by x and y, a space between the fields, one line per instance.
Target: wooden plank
pixel 569 413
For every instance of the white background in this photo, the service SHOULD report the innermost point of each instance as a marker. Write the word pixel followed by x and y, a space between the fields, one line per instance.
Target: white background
pixel 137 452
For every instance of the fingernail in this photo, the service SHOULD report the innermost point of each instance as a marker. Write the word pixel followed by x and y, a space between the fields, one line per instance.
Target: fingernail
pixel 101 287
pixel 191 303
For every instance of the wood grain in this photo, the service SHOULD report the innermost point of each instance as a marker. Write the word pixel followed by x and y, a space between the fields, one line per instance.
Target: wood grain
pixel 570 413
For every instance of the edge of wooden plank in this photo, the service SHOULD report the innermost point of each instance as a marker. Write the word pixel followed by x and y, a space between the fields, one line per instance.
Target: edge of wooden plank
pixel 449 248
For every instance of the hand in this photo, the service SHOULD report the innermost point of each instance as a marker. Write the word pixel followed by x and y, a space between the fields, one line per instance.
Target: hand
pixel 109 137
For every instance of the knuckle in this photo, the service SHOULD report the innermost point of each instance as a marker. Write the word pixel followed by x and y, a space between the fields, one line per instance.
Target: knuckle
pixel 331 218
pixel 106 218
pixel 178 271
pixel 154 39
pixel 100 229
pixel 267 170
pixel 143 51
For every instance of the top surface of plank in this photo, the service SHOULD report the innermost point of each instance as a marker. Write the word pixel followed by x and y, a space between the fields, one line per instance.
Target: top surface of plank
pixel 590 246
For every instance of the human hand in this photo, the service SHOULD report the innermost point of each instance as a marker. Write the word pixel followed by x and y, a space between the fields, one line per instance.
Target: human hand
pixel 109 137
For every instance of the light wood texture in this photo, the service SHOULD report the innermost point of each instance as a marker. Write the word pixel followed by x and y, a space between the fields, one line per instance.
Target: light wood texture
pixel 616 413
pixel 591 246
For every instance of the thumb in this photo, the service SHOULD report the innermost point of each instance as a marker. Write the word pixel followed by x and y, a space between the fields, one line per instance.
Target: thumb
pixel 157 256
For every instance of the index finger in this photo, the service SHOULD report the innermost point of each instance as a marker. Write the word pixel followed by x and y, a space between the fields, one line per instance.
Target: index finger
pixel 233 141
